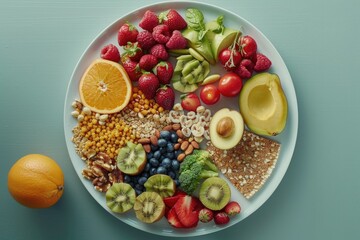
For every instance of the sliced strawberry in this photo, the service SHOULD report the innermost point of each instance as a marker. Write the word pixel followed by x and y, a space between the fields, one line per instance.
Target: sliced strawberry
pixel 173 219
pixel 185 210
pixel 171 201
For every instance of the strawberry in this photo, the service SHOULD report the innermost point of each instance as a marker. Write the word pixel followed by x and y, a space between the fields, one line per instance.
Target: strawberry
pixel 190 102
pixel 110 52
pixel 165 97
pixel 159 51
pixel 206 215
pixel 245 69
pixel 176 41
pixel 173 219
pixel 148 83
pixel 127 33
pixel 164 71
pixel 232 208
pixel 173 20
pixel 221 218
pixel 149 21
pixel 133 51
pixel 132 68
pixel 145 40
pixel 170 201
pixel 262 63
pixel 161 33
pixel 147 62
pixel 185 210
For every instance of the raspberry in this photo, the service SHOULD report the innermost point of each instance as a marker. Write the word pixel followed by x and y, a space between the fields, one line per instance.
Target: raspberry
pixel 146 40
pixel 159 51
pixel 110 52
pixel 176 41
pixel 161 33
pixel 245 69
pixel 263 63
pixel 147 62
pixel 149 21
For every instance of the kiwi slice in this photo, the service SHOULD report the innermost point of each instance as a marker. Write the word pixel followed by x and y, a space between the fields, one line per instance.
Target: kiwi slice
pixel 214 193
pixel 131 158
pixel 161 184
pixel 120 197
pixel 149 207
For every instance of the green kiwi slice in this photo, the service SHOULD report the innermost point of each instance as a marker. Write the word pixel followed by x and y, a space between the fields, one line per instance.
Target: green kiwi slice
pixel 149 207
pixel 120 197
pixel 131 158
pixel 214 193
pixel 161 184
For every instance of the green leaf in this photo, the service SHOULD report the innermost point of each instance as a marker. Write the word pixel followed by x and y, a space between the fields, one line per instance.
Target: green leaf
pixel 195 19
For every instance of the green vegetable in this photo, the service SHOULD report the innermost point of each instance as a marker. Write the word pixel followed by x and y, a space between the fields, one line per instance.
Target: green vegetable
pixel 195 168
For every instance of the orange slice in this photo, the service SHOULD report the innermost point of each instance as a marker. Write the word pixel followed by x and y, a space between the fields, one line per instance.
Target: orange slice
pixel 105 87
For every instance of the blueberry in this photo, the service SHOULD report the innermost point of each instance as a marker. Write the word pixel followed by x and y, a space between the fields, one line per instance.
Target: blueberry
pixel 170 155
pixel 174 138
pixel 157 154
pixel 152 171
pixel 154 147
pixel 154 162
pixel 177 153
pixel 138 186
pixel 163 150
pixel 175 165
pixel 142 180
pixel 149 155
pixel 166 163
pixel 165 135
pixel 127 178
pixel 169 147
pixel 172 174
pixel 162 142
pixel 161 170
pixel 145 174
pixel 147 167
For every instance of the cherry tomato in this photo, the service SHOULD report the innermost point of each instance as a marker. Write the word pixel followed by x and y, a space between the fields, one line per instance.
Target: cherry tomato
pixel 230 84
pixel 247 46
pixel 209 94
pixel 230 59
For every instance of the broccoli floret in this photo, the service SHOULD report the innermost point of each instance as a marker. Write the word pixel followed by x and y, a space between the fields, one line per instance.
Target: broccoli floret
pixel 196 167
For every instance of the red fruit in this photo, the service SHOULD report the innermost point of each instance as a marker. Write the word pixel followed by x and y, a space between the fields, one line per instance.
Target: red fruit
pixel 147 62
pixel 145 40
pixel 133 51
pixel 161 33
pixel 230 59
pixel 127 33
pixel 232 208
pixel 185 210
pixel 221 218
pixel 148 83
pixel 149 21
pixel 164 72
pixel 245 69
pixel 173 219
pixel 263 63
pixel 190 102
pixel 170 201
pixel 110 52
pixel 165 97
pixel 173 20
pixel 176 41
pixel 159 51
pixel 206 215
pixel 209 94
pixel 247 46
pixel 230 84
pixel 132 68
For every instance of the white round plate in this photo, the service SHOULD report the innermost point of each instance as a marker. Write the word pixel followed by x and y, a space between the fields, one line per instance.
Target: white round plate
pixel 287 138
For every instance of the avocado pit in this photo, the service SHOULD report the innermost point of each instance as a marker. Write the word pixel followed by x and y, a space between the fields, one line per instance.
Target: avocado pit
pixel 225 127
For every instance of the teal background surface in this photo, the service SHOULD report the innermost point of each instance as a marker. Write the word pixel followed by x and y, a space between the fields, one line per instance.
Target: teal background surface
pixel 41 42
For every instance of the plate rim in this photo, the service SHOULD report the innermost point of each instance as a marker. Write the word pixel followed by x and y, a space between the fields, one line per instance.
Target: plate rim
pixel 294 110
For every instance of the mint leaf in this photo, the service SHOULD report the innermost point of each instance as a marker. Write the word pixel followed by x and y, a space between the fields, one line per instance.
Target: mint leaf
pixel 195 19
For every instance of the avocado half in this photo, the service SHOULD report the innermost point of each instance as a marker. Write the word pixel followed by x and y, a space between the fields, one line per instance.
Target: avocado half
pixel 263 104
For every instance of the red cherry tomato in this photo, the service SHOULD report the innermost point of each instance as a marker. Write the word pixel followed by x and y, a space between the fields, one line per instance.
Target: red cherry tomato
pixel 230 59
pixel 209 94
pixel 230 84
pixel 248 46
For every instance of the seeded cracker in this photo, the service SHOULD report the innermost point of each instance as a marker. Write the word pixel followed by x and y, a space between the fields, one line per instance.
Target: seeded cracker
pixel 249 164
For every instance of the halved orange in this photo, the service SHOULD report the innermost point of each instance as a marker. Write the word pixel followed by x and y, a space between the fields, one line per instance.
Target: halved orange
pixel 105 87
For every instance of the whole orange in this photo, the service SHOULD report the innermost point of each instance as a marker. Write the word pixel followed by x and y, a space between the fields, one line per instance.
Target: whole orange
pixel 36 181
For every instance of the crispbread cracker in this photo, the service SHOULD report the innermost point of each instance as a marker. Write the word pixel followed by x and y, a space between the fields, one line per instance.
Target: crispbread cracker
pixel 249 164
